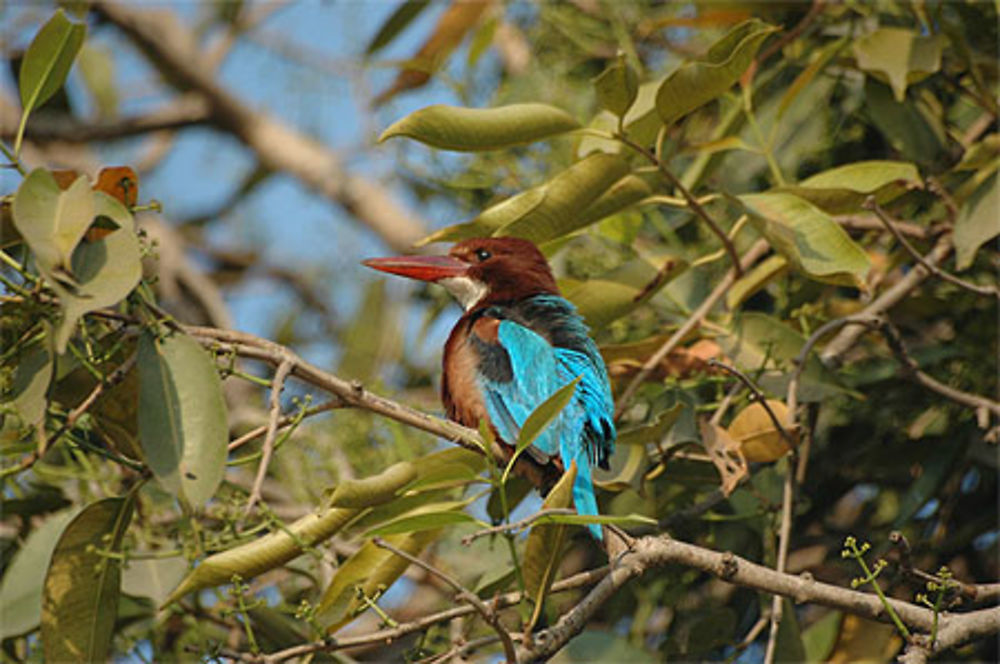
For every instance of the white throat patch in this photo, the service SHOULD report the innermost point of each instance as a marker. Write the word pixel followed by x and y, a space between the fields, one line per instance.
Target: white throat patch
pixel 466 290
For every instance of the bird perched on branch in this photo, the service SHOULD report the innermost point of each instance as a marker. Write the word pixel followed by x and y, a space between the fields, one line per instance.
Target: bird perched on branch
pixel 519 342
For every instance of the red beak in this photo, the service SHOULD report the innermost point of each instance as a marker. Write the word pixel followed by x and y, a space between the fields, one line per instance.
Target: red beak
pixel 424 268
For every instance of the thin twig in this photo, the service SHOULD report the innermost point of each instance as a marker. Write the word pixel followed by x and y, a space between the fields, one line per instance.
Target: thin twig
pixel 872 205
pixel 277 385
pixel 112 379
pixel 516 525
pixel 464 594
pixel 284 421
pixel 692 321
pixel 758 397
pixel 692 202
pixel 784 535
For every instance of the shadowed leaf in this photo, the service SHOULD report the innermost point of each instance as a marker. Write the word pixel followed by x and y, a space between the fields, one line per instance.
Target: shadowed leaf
pixel 543 551
pixel 30 384
pixel 182 416
pixel 396 23
pixel 82 586
pixel 977 222
pixel 24 576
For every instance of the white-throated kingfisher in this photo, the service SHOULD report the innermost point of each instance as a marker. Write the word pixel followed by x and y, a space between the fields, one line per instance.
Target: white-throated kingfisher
pixel 517 343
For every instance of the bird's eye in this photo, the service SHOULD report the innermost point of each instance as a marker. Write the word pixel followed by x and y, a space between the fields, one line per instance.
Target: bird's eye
pixel 482 254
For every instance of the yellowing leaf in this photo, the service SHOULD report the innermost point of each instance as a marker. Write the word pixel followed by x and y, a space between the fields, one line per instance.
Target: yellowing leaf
pixel 758 437
pixel 264 553
pixel 478 129
pixel 805 235
pixel 375 490
pixel 83 584
pixel 698 82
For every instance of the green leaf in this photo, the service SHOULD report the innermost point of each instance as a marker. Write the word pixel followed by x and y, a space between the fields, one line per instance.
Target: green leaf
pixel 372 570
pixel 106 270
pixel 82 586
pixel 617 86
pixel 447 468
pixel 543 551
pixel 898 56
pixel 610 296
pixel 153 577
pixel 808 238
pixel 264 553
pixel 540 419
pixel 843 190
pixel 698 82
pixel 405 13
pixel 977 222
pixel 755 279
pixel 594 645
pixel 30 385
pixel 788 645
pixel 53 221
pixel 820 59
pixel 626 471
pixel 97 68
pixel 911 128
pixel 182 416
pixel 654 431
pixel 819 638
pixel 426 517
pixel 762 343
pixel 48 59
pixel 374 490
pixel 515 490
pixel 592 188
pixel 477 129
pixel 21 587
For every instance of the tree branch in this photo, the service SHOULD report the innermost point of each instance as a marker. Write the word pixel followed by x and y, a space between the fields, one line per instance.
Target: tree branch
pixel 277 146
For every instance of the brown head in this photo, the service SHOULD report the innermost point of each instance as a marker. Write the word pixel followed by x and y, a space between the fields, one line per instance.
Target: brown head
pixel 480 271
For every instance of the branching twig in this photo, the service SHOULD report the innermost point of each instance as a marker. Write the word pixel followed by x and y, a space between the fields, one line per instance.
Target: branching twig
pixel 758 397
pixel 284 421
pixel 692 321
pixel 464 594
pixel 517 525
pixel 872 205
pixel 274 413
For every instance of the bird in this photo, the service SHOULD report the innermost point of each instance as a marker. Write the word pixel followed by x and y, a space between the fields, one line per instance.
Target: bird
pixel 517 343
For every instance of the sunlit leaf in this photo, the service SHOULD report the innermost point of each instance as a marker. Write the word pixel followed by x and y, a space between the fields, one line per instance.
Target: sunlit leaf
pixel 477 129
pixel 808 238
pixel 48 59
pixel 370 570
pixel 21 587
pixel 182 416
pixel 541 418
pixel 698 82
pixel 610 296
pixel 843 190
pixel 153 577
pixel 53 221
pixel 617 86
pixel 426 517
pixel 898 56
pixel 977 222
pixel 753 280
pixel 598 519
pixel 375 490
pixel 264 553
pixel 543 551
pixel 82 586
pixel 106 269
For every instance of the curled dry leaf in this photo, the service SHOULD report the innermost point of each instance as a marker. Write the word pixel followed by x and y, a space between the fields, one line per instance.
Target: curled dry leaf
pixel 725 454
pixel 757 436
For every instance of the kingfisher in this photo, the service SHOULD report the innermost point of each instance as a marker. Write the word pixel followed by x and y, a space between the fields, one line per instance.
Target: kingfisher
pixel 518 342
